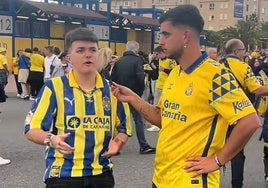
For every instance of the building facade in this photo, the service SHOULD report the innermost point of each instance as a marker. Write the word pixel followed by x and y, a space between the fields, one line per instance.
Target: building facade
pixel 218 14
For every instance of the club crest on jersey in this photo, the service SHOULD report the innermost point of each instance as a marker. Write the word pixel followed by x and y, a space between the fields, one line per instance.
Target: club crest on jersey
pixel 189 90
pixel 106 104
pixel 73 122
pixel 55 172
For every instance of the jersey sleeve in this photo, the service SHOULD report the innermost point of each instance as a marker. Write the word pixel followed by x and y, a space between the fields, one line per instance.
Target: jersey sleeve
pixel 123 120
pixel 4 60
pixel 228 99
pixel 42 114
pixel 247 78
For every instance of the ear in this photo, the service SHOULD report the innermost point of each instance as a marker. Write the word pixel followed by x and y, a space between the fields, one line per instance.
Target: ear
pixel 68 58
pixel 186 37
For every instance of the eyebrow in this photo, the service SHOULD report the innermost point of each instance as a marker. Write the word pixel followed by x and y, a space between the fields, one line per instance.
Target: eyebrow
pixel 164 33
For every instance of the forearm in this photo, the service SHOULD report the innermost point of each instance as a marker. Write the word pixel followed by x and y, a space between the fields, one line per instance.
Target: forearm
pixel 239 137
pixel 149 112
pixel 37 136
pixel 263 91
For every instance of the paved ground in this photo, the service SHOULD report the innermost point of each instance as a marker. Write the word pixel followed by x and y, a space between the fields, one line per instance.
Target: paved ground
pixel 132 170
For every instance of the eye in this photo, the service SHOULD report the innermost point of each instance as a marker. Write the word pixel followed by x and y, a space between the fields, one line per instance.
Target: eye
pixel 94 50
pixel 80 51
pixel 164 34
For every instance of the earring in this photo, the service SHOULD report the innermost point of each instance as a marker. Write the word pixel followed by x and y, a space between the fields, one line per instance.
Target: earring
pixel 185 46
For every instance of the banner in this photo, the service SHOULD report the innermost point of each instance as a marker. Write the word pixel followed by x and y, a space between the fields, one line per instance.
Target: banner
pixel 239 8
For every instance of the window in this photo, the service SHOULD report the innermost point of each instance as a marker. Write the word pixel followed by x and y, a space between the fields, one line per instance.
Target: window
pixel 226 5
pixel 262 10
pixel 134 3
pixel 40 29
pixel 222 6
pixel 4 5
pixel 225 16
pixel 22 28
pixel 126 3
pixel 221 16
pixel 211 18
pixel 247 6
pixel 201 5
pixel 211 6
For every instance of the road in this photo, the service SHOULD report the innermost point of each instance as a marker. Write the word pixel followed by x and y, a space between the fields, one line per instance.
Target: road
pixel 132 170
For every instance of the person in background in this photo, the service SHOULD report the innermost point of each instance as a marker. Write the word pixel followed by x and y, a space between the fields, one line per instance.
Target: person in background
pixel 66 66
pixel 76 117
pixel 3 70
pixel 199 94
pixel 52 64
pixel 129 72
pixel 213 54
pixel 24 66
pixel 246 59
pixel 105 56
pixel 15 71
pixel 36 74
pixel 165 67
pixel 57 52
pixel 154 59
pixel 255 65
pixel 242 72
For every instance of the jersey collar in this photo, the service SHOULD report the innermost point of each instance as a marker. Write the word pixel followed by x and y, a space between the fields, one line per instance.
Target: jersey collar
pixel 197 63
pixel 73 83
pixel 232 57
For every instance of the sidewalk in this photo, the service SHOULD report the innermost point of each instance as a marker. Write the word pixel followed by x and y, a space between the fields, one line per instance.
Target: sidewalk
pixel 11 85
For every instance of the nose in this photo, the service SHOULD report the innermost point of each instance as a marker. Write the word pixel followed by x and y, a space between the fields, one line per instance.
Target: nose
pixel 161 41
pixel 88 53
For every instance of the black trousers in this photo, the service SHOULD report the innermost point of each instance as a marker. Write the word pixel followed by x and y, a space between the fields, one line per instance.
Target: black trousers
pixel 237 166
pixel 36 81
pixel 105 180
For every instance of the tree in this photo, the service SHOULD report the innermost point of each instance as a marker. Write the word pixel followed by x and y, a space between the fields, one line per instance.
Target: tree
pixel 248 31
pixel 213 38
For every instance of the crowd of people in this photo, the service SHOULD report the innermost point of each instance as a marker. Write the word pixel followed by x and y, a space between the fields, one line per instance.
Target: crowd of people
pixel 203 104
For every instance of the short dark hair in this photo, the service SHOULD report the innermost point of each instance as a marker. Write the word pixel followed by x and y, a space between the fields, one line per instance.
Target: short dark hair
pixel 185 15
pixel 80 34
pixel 28 50
pixel 56 51
pixel 50 48
pixel 35 49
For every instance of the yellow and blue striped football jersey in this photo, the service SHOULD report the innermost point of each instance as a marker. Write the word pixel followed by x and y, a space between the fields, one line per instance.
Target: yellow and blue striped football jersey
pixel 197 106
pixel 92 119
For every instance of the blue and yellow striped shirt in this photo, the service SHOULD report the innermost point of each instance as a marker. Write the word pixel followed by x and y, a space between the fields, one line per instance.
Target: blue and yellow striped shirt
pixel 91 119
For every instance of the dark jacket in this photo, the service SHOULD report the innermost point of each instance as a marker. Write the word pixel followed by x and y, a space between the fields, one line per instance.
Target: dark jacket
pixel 128 71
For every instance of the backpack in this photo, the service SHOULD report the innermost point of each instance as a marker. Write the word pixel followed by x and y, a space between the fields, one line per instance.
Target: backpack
pixel 251 96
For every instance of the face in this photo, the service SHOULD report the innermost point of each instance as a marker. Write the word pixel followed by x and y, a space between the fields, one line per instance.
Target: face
pixel 256 63
pixel 47 52
pixel 172 40
pixel 83 56
pixel 246 59
pixel 213 54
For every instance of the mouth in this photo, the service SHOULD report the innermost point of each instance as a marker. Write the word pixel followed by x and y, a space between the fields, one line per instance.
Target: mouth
pixel 88 63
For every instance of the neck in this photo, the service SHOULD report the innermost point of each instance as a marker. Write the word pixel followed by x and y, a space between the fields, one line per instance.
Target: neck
pixel 189 57
pixel 86 81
